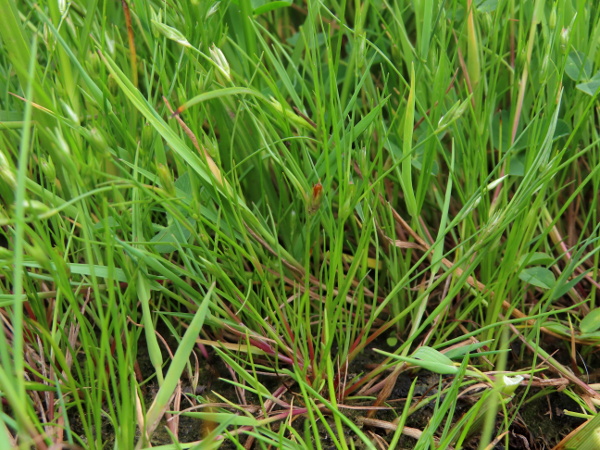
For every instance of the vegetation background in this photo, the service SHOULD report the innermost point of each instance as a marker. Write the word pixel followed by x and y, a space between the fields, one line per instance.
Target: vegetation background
pixel 277 224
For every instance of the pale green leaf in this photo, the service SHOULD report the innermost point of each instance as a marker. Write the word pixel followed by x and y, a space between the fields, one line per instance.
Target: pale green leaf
pixel 538 276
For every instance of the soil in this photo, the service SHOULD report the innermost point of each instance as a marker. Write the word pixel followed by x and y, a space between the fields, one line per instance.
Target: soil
pixel 540 424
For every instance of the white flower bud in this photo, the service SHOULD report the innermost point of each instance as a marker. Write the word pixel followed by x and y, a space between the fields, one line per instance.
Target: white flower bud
pixel 7 172
pixel 564 39
pixel 219 59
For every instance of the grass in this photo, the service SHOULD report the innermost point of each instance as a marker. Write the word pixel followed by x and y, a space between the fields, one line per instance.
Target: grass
pixel 312 225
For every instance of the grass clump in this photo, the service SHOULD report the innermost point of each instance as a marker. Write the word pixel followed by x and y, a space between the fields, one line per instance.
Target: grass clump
pixel 299 225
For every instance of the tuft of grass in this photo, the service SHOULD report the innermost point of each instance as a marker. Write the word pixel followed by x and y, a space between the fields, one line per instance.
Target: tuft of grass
pixel 299 224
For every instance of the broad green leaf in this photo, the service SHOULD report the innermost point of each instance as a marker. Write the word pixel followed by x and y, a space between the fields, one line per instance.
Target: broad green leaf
pixel 591 322
pixel 534 259
pixel 590 87
pixel 538 276
pixel 517 165
pixel 432 355
pixel 263 6
pixel 433 366
pixel 459 352
pixel 176 232
pixel 418 164
pixel 563 289
pixel 487 6
pixel 562 129
pixel 430 359
pixel 578 66
pixel 557 327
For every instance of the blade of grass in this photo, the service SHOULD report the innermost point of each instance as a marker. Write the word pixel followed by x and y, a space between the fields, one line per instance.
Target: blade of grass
pixel 182 355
